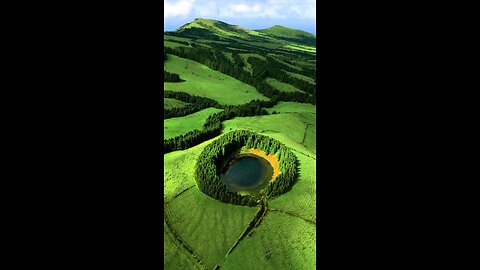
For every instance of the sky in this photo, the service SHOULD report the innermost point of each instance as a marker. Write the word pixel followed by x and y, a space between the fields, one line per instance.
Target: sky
pixel 251 14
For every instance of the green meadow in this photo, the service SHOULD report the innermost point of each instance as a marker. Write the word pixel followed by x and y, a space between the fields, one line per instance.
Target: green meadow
pixel 282 86
pixel 170 103
pixel 180 125
pixel 173 44
pixel 280 242
pixel 202 81
pixel 291 107
pixel 301 77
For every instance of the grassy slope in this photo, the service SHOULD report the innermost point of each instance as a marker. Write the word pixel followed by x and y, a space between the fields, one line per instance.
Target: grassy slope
pixel 286 32
pixel 284 87
pixel 178 173
pixel 301 48
pixel 169 103
pixel 303 192
pixel 286 107
pixel 277 123
pixel 280 242
pixel 200 80
pixel 173 254
pixel 173 127
pixel 175 38
pixel 210 227
pixel 172 44
pixel 301 77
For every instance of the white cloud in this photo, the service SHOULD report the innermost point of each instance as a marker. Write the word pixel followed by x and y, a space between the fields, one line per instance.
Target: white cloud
pixel 301 9
pixel 206 9
pixel 180 8
pixel 243 8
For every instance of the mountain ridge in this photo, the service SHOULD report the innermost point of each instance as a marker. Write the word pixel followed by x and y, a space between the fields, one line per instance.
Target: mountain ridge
pixel 209 28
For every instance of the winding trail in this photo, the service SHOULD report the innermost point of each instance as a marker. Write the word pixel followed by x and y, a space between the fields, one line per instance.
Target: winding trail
pixel 255 222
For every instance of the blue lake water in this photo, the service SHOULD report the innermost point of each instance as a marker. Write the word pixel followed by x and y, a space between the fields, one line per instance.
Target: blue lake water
pixel 247 173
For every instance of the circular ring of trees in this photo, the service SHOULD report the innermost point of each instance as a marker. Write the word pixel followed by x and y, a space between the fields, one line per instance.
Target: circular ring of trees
pixel 207 169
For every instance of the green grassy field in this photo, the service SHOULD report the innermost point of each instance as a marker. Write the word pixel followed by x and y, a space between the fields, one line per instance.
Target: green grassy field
pixel 172 44
pixel 175 38
pixel 300 76
pixel 276 125
pixel 302 48
pixel 285 107
pixel 202 81
pixel 212 227
pixel 180 125
pixel 282 86
pixel 170 103
pixel 174 254
pixel 280 242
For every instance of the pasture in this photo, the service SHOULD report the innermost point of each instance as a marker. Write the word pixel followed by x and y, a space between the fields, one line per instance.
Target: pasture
pixel 300 76
pixel 172 44
pixel 290 107
pixel 284 87
pixel 209 227
pixel 280 242
pixel 173 127
pixel 170 103
pixel 200 80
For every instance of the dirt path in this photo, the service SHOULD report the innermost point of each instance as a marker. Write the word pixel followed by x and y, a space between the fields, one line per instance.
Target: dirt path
pixel 255 222
pixel 293 215
pixel 305 135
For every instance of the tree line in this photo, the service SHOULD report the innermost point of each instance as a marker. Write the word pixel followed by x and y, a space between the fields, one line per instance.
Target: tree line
pixel 213 125
pixel 207 169
pixel 196 103
pixel 171 77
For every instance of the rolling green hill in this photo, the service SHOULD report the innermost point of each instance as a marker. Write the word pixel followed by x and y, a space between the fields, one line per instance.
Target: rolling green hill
pixel 285 32
pixel 276 37
pixel 202 81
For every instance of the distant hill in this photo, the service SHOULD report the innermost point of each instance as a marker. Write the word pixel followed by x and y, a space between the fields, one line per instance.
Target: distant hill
pixel 214 29
pixel 291 34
